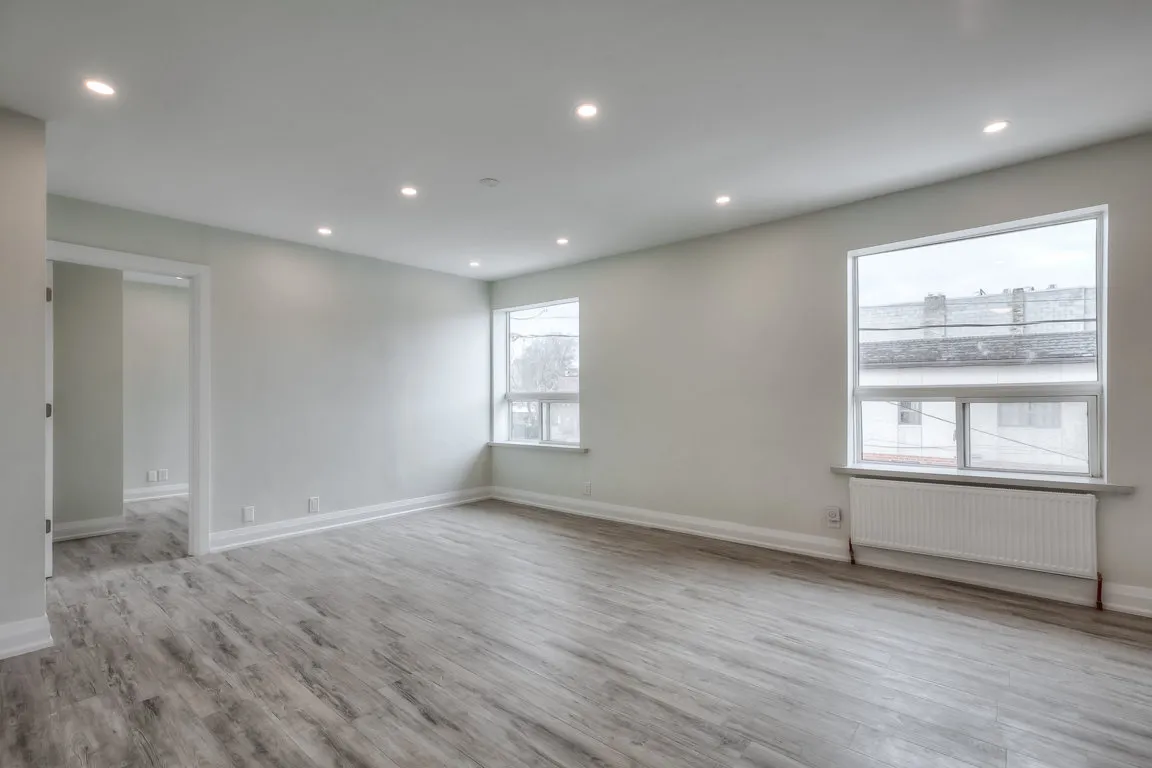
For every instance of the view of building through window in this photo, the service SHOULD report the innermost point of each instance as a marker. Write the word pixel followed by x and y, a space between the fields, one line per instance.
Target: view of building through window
pixel 1014 311
pixel 544 373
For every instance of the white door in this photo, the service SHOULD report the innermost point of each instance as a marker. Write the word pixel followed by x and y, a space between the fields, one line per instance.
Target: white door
pixel 48 461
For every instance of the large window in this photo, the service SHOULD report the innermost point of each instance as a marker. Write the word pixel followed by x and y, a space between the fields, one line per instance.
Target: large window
pixel 981 350
pixel 541 346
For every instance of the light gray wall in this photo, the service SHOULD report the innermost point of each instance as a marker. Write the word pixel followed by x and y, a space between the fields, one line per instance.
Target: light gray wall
pixel 743 337
pixel 88 379
pixel 333 375
pixel 156 321
pixel 22 393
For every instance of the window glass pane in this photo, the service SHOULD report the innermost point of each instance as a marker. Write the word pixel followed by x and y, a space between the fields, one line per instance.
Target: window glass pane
pixel 525 416
pixel 544 349
pixel 1018 307
pixel 910 413
pixel 892 435
pixel 1029 437
pixel 564 422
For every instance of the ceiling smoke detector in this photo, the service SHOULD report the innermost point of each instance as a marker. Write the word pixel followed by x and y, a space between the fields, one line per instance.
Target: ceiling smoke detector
pixel 490 182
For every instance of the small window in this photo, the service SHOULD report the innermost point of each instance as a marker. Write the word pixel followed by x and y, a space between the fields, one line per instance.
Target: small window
pixel 988 341
pixel 909 414
pixel 541 348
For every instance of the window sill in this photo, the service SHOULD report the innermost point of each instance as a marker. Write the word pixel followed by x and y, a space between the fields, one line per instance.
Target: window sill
pixel 995 479
pixel 542 446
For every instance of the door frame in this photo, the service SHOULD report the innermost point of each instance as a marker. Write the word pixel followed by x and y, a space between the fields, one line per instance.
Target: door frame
pixel 199 369
pixel 49 430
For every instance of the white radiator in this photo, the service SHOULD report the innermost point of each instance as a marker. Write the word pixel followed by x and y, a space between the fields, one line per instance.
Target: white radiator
pixel 1037 530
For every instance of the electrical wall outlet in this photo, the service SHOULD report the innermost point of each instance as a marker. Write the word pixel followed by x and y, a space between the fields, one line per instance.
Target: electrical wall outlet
pixel 587 487
pixel 153 475
pixel 832 517
pixel 313 504
pixel 163 475
pixel 249 514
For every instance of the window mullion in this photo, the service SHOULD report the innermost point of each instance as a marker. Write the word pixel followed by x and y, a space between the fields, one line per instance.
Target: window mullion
pixel 1095 451
pixel 963 458
pixel 859 436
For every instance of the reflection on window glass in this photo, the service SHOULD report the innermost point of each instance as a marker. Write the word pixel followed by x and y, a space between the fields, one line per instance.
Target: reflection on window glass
pixel 887 439
pixel 564 422
pixel 1016 307
pixel 1029 437
pixel 525 417
pixel 544 349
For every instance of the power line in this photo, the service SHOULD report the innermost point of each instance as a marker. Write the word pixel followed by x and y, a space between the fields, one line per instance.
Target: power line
pixel 984 325
pixel 990 434
pixel 988 298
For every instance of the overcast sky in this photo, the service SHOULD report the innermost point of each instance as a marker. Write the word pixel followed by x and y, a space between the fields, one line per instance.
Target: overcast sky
pixel 561 319
pixel 1064 255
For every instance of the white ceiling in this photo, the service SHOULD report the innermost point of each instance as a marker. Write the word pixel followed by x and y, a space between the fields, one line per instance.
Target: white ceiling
pixel 278 116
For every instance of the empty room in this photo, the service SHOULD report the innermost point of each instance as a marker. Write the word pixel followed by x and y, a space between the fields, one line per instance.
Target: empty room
pixel 642 384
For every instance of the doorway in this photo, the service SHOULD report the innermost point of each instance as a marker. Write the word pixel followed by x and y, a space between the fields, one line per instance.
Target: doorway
pixel 166 499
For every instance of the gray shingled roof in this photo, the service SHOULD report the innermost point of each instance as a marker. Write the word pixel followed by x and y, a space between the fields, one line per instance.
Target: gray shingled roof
pixel 1076 347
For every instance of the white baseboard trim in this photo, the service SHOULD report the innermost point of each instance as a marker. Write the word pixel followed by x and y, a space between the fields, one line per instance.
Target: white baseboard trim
pixel 82 529
pixel 1127 599
pixel 150 492
pixel 1117 597
pixel 825 547
pixel 1050 586
pixel 222 541
pixel 1121 598
pixel 20 637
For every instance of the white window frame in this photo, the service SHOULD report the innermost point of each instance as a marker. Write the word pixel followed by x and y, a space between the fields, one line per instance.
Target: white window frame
pixel 502 362
pixel 1092 392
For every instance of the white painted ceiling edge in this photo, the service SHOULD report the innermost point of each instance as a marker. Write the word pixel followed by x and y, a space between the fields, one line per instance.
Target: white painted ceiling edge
pixel 277 119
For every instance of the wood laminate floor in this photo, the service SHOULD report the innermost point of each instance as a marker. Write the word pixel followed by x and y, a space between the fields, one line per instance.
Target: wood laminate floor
pixel 498 636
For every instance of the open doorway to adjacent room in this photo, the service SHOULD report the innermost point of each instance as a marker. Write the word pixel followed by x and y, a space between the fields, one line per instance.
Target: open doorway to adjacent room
pixel 126 477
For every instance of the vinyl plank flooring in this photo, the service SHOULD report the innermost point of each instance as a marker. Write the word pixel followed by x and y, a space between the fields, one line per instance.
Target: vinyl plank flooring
pixel 497 636
pixel 812 755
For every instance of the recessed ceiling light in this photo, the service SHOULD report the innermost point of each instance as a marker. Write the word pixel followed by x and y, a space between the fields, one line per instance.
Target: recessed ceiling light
pixel 473 263
pixel 1001 310
pixel 587 111
pixel 996 127
pixel 180 278
pixel 325 231
pixel 409 191
pixel 100 87
pixel 561 241
pixel 723 200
